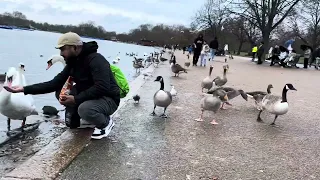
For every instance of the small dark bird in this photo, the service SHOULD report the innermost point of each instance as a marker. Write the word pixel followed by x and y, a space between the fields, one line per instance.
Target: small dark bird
pixel 50 111
pixel 136 98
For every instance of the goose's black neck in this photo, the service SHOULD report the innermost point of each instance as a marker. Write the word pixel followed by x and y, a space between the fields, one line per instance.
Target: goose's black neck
pixel 284 94
pixel 268 90
pixel 224 72
pixel 210 71
pixel 161 84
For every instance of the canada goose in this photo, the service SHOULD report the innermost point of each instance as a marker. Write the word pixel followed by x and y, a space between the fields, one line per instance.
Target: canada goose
pixel 163 59
pixel 187 64
pixel 161 98
pixel 225 64
pixel 176 68
pixel 207 82
pixel 218 81
pixel 212 103
pixel 137 65
pixel 277 105
pixel 136 98
pixel 258 96
pixel 231 93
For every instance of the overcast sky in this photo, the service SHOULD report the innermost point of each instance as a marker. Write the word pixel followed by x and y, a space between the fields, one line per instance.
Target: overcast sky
pixel 113 15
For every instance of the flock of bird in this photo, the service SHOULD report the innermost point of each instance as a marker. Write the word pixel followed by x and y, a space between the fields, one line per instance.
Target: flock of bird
pixel 217 95
pixel 18 106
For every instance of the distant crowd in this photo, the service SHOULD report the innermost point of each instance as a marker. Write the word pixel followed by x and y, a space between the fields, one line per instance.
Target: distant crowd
pixel 202 50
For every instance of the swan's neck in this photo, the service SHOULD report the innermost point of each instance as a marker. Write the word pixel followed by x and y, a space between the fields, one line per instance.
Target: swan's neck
pixel 20 82
pixel 62 61
pixel 161 85
pixel 284 94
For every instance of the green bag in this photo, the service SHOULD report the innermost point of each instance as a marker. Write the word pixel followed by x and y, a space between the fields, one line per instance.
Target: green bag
pixel 121 80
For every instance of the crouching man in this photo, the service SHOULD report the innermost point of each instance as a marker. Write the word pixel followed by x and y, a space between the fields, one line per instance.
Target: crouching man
pixel 96 94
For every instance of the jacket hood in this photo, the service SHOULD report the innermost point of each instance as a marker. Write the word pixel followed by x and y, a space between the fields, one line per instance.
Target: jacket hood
pixel 89 47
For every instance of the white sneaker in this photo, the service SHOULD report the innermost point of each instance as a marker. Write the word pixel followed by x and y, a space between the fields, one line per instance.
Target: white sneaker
pixel 101 133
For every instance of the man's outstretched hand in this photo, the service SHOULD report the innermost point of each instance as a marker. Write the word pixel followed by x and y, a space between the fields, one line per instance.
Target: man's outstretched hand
pixel 14 89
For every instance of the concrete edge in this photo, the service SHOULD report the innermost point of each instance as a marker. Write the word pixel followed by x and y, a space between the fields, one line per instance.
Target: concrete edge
pixel 59 153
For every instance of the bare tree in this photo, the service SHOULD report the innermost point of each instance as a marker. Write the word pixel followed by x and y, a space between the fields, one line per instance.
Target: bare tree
pixel 211 16
pixel 309 30
pixel 265 14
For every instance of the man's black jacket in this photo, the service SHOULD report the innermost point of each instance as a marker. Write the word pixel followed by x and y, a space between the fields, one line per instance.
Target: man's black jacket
pixel 91 73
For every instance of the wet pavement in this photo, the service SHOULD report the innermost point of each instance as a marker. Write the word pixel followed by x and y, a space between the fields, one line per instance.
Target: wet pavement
pixel 150 148
pixel 15 150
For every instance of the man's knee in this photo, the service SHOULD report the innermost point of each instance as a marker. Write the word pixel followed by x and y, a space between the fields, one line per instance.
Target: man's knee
pixel 86 110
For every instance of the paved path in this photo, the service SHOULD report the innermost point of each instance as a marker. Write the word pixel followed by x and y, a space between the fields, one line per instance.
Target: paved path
pixel 178 148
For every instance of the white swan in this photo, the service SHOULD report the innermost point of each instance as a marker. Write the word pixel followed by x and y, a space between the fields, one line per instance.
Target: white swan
pixel 15 106
pixel 54 59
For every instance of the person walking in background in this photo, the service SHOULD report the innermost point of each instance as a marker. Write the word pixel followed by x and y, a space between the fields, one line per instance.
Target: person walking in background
pixel 214 45
pixel 226 49
pixel 254 52
pixel 260 53
pixel 198 42
pixel 189 51
pixel 204 54
pixel 307 54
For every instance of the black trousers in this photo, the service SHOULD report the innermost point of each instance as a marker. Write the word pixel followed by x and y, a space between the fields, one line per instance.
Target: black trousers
pixel 196 55
pixel 305 63
pixel 253 55
pixel 97 112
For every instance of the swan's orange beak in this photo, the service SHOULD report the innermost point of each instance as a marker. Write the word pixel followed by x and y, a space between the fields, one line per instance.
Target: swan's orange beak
pixel 9 82
pixel 49 66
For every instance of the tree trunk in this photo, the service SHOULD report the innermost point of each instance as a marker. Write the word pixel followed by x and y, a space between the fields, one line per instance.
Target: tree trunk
pixel 240 47
pixel 266 39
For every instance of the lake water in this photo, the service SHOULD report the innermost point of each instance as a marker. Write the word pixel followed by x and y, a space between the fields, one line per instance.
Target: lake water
pixel 27 46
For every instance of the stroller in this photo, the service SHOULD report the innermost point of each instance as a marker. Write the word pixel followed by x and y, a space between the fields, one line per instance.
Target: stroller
pixel 291 60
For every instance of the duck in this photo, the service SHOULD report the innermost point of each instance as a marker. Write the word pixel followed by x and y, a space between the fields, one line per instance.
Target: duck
pixel 258 96
pixel 231 93
pixel 173 91
pixel 207 81
pixel 212 103
pixel 218 81
pixel 17 106
pixel 137 65
pixel 274 104
pixel 54 59
pixel 136 98
pixel 161 98
pixel 176 68
pixel 50 111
